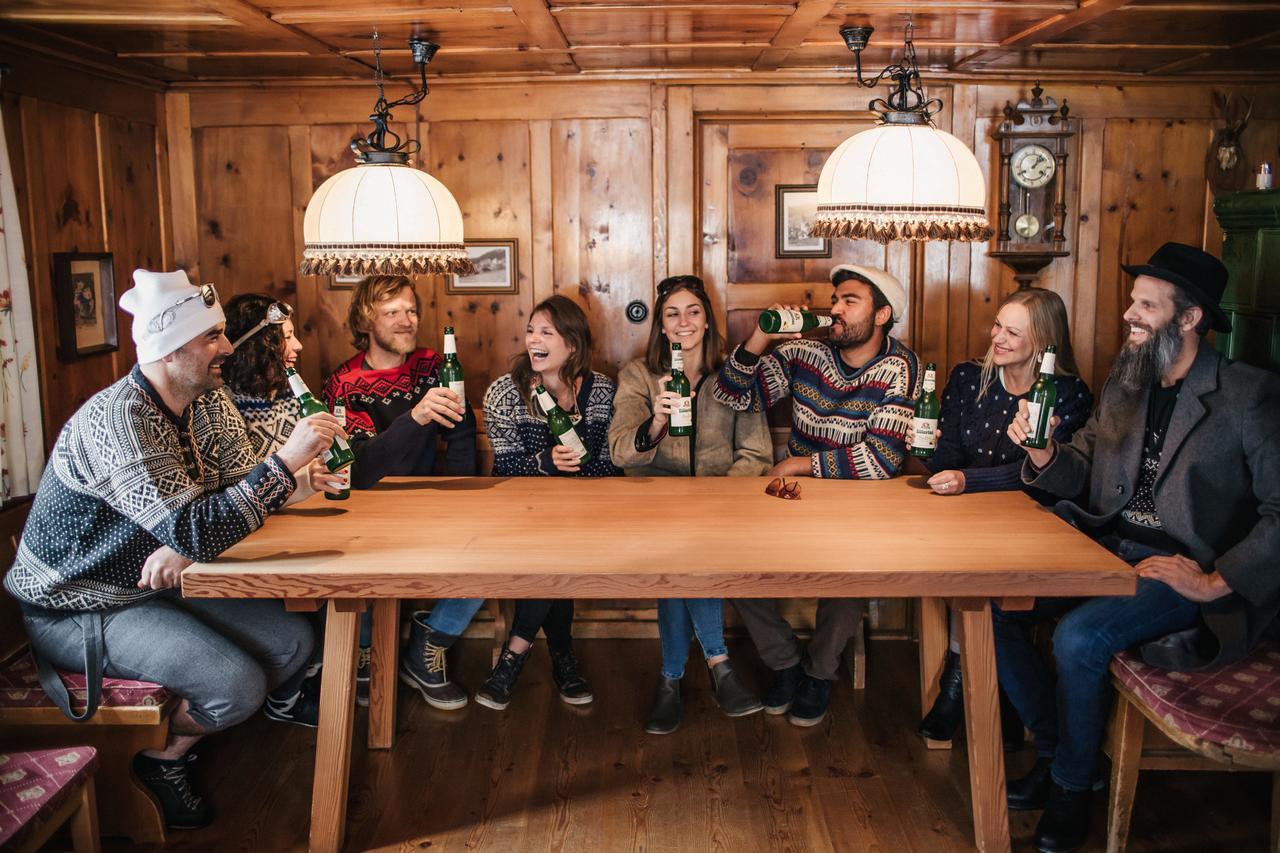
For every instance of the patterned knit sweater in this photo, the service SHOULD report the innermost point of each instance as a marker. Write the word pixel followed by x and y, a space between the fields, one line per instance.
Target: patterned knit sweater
pixel 386 439
pixel 522 442
pixel 853 424
pixel 269 424
pixel 127 476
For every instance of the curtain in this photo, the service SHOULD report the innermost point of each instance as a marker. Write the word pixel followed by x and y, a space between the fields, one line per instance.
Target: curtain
pixel 21 432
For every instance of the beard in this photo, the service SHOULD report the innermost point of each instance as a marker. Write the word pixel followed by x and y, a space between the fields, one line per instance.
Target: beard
pixel 394 343
pixel 843 335
pixel 1139 366
pixel 193 378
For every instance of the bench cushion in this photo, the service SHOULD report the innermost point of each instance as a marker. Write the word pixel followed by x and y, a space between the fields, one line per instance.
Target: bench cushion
pixel 20 688
pixel 1236 706
pixel 34 785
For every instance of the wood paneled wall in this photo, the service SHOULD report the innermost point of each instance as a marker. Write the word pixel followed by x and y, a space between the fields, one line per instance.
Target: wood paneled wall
pixel 86 161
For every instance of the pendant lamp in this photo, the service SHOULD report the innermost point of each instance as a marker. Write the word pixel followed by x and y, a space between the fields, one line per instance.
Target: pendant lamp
pixel 903 179
pixel 384 217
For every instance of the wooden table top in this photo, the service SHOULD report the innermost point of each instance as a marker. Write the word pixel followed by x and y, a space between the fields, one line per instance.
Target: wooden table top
pixel 639 537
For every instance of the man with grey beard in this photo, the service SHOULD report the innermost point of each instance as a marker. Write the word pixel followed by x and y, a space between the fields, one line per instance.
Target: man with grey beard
pixel 1178 473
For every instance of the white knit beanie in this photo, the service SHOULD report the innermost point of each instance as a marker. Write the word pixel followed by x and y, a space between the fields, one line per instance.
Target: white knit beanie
pixel 165 314
pixel 892 289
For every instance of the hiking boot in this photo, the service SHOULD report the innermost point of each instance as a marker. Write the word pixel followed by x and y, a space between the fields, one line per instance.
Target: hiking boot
pixel 783 690
pixel 301 709
pixel 733 697
pixel 813 696
pixel 1064 826
pixel 668 708
pixel 496 692
pixel 569 681
pixel 167 782
pixel 944 718
pixel 423 666
pixel 363 670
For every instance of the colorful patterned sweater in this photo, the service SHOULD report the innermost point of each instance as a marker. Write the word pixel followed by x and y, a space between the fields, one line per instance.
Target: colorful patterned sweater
pixel 127 476
pixel 386 439
pixel 269 424
pixel 522 442
pixel 853 424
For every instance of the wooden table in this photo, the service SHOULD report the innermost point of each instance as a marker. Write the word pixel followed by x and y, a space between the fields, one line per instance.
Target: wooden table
pixel 666 537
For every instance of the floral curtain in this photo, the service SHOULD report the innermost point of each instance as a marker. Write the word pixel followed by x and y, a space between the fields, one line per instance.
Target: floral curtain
pixel 21 433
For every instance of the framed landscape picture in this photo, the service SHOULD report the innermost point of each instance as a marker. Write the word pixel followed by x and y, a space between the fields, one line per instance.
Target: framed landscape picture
pixel 85 292
pixel 497 268
pixel 795 207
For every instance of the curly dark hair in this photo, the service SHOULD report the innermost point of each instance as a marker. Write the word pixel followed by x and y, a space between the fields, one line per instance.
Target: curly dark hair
pixel 256 368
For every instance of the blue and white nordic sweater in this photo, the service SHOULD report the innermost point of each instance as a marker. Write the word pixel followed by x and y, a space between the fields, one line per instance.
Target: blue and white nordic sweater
pixel 522 442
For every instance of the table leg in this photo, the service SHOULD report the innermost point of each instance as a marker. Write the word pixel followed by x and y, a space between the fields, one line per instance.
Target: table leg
pixel 982 726
pixel 934 640
pixel 333 741
pixel 384 658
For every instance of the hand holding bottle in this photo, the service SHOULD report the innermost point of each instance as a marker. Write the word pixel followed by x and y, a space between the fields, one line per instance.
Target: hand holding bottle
pixel 324 480
pixel 1020 428
pixel 565 459
pixel 311 436
pixel 664 405
pixel 440 405
pixel 760 339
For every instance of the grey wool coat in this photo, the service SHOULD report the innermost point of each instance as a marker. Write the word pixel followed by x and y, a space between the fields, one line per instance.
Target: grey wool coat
pixel 1217 490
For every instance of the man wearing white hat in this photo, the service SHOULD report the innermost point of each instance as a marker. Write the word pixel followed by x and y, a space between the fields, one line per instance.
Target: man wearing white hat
pixel 152 473
pixel 851 406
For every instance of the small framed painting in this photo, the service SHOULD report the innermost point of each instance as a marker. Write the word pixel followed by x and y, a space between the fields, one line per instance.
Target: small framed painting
pixel 497 266
pixel 344 282
pixel 85 291
pixel 795 208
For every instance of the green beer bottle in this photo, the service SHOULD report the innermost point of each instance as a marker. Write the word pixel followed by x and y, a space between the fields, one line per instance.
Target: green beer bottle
pixel 924 426
pixel 775 322
pixel 451 370
pixel 1041 400
pixel 682 417
pixel 340 412
pixel 339 454
pixel 560 425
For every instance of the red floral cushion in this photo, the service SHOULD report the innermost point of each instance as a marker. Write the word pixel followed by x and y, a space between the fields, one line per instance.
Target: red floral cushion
pixel 34 785
pixel 20 688
pixel 1236 706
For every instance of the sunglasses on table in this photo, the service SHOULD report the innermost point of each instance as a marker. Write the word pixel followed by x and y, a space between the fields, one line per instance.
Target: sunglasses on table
pixel 277 313
pixel 780 488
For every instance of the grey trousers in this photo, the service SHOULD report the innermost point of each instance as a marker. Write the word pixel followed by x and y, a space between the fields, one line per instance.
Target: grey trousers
pixel 220 655
pixel 778 646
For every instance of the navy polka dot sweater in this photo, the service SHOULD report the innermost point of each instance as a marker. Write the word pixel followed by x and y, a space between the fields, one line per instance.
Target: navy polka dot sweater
pixel 973 430
pixel 125 477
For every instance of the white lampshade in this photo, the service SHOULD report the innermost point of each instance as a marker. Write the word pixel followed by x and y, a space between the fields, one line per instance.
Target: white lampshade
pixel 383 218
pixel 902 182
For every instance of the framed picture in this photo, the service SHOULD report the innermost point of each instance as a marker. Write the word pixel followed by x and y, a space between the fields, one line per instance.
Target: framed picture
pixel 795 207
pixel 85 291
pixel 344 282
pixel 497 269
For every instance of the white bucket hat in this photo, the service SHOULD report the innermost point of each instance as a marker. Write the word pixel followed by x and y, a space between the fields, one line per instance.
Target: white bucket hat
pixel 168 311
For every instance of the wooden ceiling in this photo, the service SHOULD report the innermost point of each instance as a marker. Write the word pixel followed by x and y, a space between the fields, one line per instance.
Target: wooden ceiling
pixel 194 41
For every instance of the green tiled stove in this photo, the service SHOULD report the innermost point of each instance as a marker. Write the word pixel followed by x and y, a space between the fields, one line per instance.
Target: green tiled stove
pixel 1251 250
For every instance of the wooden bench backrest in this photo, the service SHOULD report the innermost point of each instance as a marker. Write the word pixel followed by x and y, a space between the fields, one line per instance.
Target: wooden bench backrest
pixel 12 635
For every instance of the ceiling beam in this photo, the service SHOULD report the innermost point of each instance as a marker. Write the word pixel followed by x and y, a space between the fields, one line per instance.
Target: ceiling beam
pixel 260 21
pixel 77 52
pixel 545 32
pixel 1178 64
pixel 792 33
pixel 1050 28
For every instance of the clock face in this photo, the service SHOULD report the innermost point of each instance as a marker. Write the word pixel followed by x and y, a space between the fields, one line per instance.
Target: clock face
pixel 1032 166
pixel 1027 226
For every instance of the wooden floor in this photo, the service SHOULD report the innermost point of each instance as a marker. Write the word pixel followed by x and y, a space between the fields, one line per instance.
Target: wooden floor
pixel 545 776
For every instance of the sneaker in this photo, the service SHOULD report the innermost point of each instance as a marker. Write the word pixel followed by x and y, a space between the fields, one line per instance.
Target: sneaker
pixel 812 698
pixel 496 692
pixel 423 666
pixel 167 783
pixel 569 680
pixel 362 677
pixel 301 709
pixel 783 690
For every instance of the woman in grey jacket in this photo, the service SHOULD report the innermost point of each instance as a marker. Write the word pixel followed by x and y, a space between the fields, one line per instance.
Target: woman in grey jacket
pixel 723 442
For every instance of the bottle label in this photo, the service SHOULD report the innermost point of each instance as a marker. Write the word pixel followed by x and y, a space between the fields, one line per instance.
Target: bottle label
pixel 450 345
pixel 1034 415
pixel 677 359
pixel 683 415
pixel 930 382
pixel 459 387
pixel 570 439
pixel 298 386
pixel 790 320
pixel 545 402
pixel 345 475
pixel 924 432
pixel 1050 363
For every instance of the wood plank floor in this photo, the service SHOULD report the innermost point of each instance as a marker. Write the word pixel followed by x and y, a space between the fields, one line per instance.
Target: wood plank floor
pixel 545 776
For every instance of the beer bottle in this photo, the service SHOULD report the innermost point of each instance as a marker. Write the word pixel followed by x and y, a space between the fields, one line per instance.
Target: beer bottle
pixel 560 425
pixel 1041 400
pixel 339 454
pixel 451 370
pixel 682 417
pixel 924 426
pixel 782 320
pixel 340 412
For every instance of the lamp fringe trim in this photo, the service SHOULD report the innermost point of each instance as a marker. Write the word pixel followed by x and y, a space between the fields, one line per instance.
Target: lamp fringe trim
pixel 403 259
pixel 885 224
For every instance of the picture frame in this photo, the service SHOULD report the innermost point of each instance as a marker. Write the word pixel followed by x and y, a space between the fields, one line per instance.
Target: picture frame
pixel 85 292
pixel 795 206
pixel 344 282
pixel 497 268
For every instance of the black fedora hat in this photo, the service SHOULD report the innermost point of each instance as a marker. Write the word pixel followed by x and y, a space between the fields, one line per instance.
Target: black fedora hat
pixel 1199 273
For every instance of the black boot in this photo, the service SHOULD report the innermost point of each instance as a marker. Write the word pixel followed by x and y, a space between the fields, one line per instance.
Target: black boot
pixel 947 712
pixel 567 674
pixel 733 697
pixel 668 708
pixel 167 782
pixel 1031 791
pixel 424 666
pixel 496 691
pixel 1064 826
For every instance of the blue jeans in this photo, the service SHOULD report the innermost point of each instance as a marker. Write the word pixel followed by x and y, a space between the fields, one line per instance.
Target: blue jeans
pixel 1068 719
pixel 452 615
pixel 678 620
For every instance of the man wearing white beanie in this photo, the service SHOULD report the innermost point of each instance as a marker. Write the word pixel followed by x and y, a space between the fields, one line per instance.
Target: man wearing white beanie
pixel 851 407
pixel 151 474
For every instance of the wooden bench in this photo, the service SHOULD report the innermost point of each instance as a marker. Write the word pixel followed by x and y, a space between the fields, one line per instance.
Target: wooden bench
pixel 42 791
